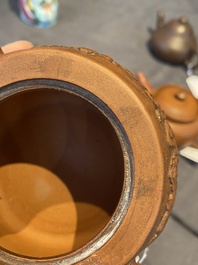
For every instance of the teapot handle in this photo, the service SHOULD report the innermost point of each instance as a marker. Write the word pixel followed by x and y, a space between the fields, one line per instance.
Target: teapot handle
pixel 191 63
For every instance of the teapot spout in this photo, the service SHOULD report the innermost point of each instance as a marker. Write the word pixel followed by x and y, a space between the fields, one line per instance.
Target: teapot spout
pixel 160 19
pixel 142 79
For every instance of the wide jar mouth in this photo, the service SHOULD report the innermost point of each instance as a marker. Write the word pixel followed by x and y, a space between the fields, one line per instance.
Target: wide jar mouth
pixel 65 170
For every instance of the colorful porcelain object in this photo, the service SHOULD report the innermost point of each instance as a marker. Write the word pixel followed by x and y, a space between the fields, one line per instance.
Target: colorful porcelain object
pixel 39 13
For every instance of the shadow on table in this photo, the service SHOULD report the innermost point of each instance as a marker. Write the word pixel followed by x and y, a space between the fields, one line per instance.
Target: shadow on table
pixel 14 6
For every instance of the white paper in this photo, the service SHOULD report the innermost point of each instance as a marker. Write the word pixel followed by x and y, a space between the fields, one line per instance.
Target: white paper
pixel 190 153
pixel 192 82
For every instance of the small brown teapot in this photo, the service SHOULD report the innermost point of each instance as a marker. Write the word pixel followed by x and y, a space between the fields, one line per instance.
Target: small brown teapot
pixel 180 107
pixel 174 41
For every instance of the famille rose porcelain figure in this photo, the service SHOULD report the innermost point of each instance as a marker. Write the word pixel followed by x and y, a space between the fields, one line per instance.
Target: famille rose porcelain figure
pixel 39 13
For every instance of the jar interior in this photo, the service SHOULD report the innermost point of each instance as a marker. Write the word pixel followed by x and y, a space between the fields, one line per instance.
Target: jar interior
pixel 61 172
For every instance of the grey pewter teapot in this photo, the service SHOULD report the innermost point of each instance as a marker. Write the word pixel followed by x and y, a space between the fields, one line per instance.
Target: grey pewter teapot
pixel 173 42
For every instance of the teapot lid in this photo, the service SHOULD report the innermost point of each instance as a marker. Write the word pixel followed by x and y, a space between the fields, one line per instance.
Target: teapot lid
pixel 177 102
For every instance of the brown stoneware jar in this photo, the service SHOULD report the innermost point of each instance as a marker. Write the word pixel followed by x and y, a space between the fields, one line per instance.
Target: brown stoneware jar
pixel 88 160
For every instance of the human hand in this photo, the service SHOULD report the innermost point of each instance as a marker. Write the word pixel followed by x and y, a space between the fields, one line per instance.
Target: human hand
pixel 16 46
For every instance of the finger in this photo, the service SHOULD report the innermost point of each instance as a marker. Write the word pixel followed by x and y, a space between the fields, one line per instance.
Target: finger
pixel 16 46
pixel 144 81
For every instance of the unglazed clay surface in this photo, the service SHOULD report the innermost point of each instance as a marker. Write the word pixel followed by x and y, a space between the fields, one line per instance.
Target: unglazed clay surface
pixel 39 216
pixel 180 107
pixel 102 139
pixel 60 163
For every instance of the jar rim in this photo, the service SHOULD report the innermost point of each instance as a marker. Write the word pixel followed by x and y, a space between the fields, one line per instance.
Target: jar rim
pixel 119 214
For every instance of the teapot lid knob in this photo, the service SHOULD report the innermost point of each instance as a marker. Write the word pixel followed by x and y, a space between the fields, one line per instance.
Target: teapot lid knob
pixel 181 95
pixel 184 20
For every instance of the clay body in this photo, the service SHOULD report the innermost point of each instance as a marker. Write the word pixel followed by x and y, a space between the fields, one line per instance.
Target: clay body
pixel 96 181
pixel 180 107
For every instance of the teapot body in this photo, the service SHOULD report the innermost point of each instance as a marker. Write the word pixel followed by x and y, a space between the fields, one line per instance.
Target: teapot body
pixel 181 110
pixel 174 42
pixel 180 107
